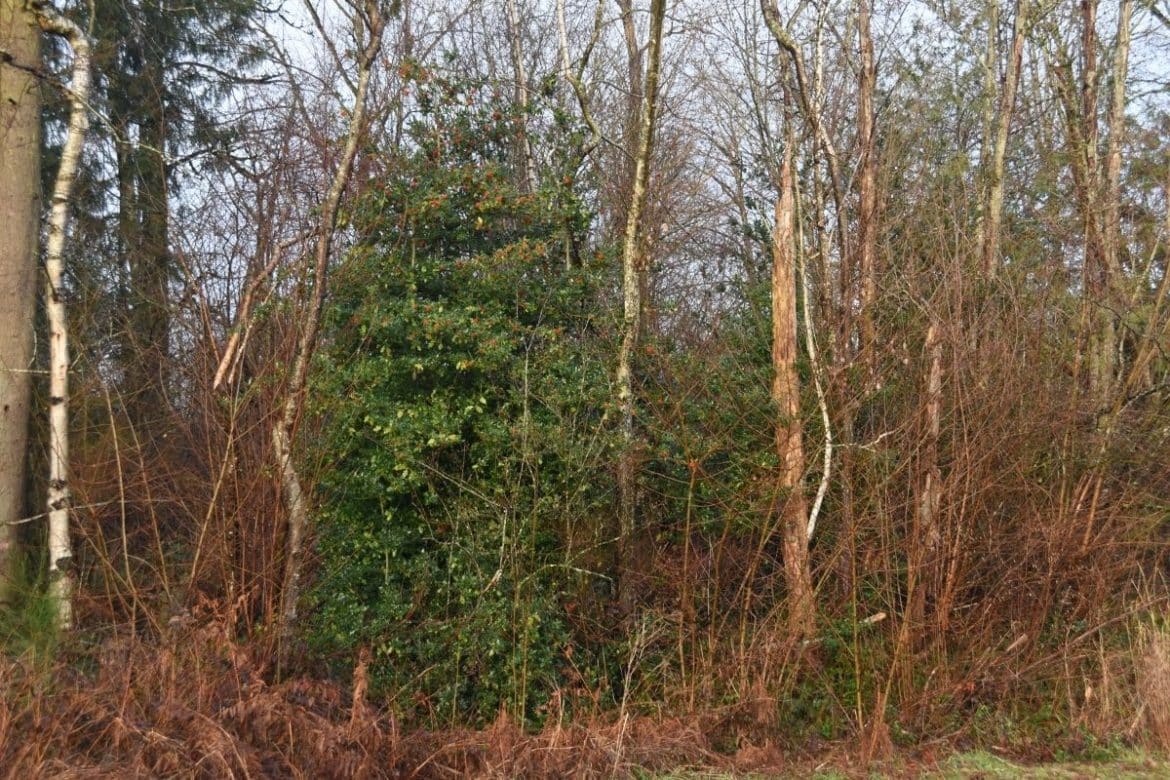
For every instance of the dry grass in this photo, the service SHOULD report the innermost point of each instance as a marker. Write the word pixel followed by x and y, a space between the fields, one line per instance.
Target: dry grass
pixel 201 705
pixel 1153 684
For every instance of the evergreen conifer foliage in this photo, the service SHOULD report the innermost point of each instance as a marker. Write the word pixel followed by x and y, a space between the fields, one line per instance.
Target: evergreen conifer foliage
pixel 460 404
pixel 161 72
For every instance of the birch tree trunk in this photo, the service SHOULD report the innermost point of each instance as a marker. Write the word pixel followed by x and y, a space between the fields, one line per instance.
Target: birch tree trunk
pixel 789 437
pixel 20 141
pixel 293 493
pixel 633 266
pixel 816 370
pixel 993 199
pixel 60 548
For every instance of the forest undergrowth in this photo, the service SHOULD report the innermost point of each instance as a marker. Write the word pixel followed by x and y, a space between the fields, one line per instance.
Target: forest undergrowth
pixel 1046 639
pixel 583 391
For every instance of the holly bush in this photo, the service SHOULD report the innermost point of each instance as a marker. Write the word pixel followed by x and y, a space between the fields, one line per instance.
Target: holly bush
pixel 462 397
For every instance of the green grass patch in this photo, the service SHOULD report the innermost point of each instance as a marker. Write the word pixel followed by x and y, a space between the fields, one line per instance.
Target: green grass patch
pixel 981 764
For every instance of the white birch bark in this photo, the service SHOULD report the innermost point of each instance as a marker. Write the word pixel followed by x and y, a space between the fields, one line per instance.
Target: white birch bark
pixel 60 547
pixel 573 77
pixel 810 345
pixel 1116 137
pixel 1100 323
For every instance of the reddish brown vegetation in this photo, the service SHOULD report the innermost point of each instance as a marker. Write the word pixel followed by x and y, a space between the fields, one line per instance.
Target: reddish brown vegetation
pixel 197 704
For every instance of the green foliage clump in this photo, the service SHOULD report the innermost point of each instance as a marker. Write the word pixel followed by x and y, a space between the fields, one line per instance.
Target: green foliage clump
pixel 460 405
pixel 29 624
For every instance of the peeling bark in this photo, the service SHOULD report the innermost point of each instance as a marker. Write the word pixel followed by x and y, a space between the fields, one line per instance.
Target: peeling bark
pixel 789 436
pixel 810 109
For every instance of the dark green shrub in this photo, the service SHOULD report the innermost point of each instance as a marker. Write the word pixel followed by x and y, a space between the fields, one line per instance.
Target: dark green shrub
pixel 462 412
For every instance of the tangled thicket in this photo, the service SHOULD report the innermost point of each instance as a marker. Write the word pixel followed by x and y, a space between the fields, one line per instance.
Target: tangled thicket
pixel 981 435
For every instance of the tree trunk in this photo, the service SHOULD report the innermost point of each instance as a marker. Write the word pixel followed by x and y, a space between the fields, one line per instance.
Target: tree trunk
pixel 150 315
pixel 927 571
pixel 633 266
pixel 811 111
pixel 588 145
pixel 1111 240
pixel 20 202
pixel 520 96
pixel 816 369
pixel 293 493
pixel 60 548
pixel 1100 337
pixel 993 200
pixel 990 98
pixel 632 120
pixel 786 397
